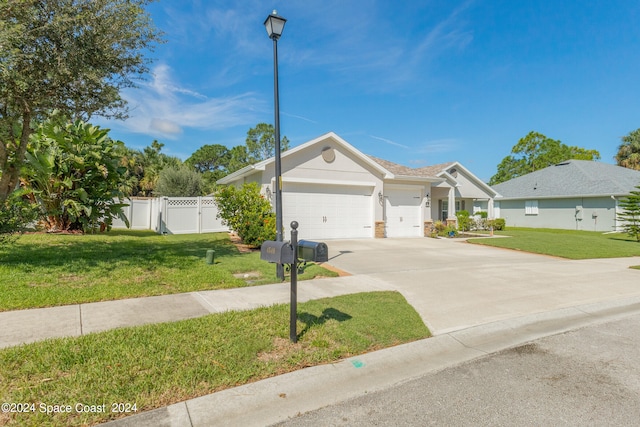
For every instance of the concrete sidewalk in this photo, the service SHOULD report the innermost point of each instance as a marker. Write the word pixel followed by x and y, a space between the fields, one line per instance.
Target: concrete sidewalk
pixel 25 326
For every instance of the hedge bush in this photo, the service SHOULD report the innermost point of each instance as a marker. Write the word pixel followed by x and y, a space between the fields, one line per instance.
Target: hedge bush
pixel 246 212
pixel 498 224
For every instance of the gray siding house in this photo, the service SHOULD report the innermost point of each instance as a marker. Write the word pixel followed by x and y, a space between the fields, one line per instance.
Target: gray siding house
pixel 576 194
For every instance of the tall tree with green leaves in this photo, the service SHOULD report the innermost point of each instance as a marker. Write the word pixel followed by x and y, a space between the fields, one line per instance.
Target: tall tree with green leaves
pixel 534 152
pixel 73 173
pixel 144 167
pixel 628 155
pixel 238 158
pixel 71 55
pixel 261 142
pixel 630 214
pixel 211 161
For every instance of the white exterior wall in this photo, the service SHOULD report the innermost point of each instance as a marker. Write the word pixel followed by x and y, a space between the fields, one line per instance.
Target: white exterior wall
pixel 589 214
pixel 309 167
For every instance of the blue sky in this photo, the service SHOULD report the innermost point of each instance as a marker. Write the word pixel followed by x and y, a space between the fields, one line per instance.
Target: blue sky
pixel 414 82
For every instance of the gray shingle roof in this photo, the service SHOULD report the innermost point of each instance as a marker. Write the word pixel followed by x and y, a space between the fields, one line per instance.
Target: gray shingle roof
pixel 572 178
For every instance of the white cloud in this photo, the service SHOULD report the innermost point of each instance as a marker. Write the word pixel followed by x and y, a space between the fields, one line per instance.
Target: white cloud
pixel 164 126
pixel 163 108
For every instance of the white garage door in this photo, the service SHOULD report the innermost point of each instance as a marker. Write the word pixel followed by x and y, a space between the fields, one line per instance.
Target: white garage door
pixel 327 211
pixel 402 212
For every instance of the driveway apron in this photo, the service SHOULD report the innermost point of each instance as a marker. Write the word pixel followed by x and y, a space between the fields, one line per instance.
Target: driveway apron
pixel 454 284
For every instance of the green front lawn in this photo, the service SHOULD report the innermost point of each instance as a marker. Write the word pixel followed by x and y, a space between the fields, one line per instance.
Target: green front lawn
pixel 42 270
pixel 565 243
pixel 157 365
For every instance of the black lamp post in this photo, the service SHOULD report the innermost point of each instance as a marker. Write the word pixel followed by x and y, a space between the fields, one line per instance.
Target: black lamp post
pixel 274 25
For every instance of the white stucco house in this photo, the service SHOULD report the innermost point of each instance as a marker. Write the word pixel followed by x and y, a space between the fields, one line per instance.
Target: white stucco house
pixel 335 191
pixel 575 195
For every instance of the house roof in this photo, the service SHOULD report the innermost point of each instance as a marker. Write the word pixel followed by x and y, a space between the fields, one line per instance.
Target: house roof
pixel 573 178
pixel 396 169
pixel 387 169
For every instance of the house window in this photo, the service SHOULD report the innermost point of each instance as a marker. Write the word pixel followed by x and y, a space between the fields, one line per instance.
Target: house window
pixel 460 205
pixel 531 207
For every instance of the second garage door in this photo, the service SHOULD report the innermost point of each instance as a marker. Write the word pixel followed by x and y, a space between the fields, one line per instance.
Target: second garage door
pixel 402 211
pixel 328 211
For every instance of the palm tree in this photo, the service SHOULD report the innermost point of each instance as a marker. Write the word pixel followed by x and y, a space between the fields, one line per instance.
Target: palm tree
pixel 629 151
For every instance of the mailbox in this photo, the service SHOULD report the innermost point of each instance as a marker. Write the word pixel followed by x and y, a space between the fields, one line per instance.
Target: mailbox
pixel 278 252
pixel 313 251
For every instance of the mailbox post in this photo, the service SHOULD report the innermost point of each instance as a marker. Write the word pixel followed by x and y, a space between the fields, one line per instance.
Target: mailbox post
pixel 288 253
pixel 293 309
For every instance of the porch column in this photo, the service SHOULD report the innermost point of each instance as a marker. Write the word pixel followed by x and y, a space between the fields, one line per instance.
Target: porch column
pixel 452 206
pixel 490 209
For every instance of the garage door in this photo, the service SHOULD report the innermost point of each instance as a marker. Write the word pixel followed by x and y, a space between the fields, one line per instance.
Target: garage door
pixel 402 212
pixel 328 211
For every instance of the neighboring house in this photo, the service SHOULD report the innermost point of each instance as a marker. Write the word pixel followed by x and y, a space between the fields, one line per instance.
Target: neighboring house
pixel 576 194
pixel 335 191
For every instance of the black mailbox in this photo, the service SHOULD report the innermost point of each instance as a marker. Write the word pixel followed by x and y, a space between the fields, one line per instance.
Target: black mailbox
pixel 313 251
pixel 278 252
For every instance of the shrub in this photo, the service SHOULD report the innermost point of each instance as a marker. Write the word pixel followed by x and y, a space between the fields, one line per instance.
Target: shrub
pixel 497 224
pixel 483 214
pixel 247 212
pixel 449 231
pixel 72 172
pixel 16 213
pixel 464 220
pixel 439 226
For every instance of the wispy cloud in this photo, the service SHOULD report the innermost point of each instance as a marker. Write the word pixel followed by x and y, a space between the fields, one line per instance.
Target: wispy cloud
pixel 163 108
pixel 438 146
pixel 371 44
pixel 388 141
pixel 295 116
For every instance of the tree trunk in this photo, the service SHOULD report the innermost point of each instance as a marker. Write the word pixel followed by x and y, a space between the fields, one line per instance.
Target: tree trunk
pixel 11 167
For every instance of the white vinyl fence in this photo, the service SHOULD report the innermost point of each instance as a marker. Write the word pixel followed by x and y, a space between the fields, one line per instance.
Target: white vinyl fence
pixel 172 215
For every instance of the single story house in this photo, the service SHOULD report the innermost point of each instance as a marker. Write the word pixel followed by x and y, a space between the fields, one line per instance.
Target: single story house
pixel 576 194
pixel 335 191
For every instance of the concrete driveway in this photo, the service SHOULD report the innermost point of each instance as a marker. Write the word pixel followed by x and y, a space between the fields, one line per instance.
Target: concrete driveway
pixel 453 284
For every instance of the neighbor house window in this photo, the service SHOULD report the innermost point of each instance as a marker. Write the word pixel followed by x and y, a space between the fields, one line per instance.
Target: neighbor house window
pixel 531 207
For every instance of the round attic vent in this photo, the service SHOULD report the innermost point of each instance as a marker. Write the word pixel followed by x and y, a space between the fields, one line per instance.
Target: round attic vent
pixel 328 154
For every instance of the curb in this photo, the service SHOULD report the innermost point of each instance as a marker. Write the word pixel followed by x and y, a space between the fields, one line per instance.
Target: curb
pixel 278 398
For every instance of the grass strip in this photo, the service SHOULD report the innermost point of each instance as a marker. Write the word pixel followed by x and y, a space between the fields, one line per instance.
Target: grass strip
pixel 44 270
pixel 565 243
pixel 157 365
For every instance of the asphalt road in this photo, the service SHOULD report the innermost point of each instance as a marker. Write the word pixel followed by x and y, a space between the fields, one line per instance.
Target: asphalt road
pixel 589 376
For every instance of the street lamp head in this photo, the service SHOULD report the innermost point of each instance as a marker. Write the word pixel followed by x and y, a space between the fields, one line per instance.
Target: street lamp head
pixel 274 25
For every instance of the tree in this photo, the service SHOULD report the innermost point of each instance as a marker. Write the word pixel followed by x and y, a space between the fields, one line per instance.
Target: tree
pixel 211 161
pixel 628 155
pixel 534 152
pixel 69 55
pixel 144 167
pixel 179 182
pixel 261 142
pixel 630 215
pixel 238 158
pixel 73 173
pixel 209 158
